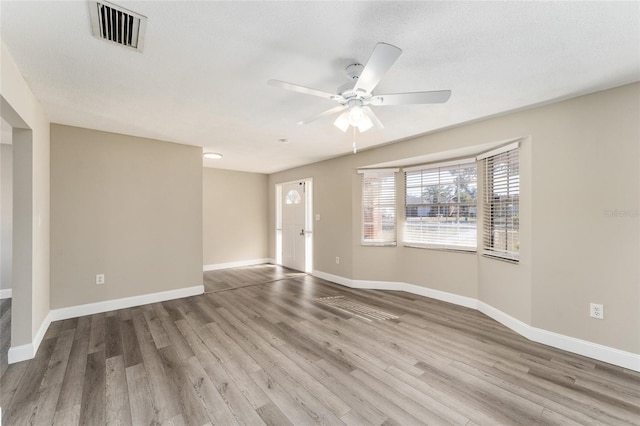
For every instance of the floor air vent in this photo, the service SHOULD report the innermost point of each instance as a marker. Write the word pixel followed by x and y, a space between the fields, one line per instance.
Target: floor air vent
pixel 117 24
pixel 354 308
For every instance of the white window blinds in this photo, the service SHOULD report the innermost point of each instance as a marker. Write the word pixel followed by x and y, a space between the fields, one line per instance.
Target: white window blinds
pixel 441 205
pixel 501 204
pixel 378 207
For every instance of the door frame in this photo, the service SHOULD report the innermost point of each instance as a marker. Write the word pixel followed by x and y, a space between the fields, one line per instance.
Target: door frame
pixel 308 222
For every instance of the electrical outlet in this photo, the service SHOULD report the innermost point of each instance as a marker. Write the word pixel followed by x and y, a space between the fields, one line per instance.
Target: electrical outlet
pixel 337 260
pixel 596 310
pixel 99 279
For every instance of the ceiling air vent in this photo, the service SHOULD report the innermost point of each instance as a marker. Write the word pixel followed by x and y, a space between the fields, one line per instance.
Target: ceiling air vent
pixel 117 24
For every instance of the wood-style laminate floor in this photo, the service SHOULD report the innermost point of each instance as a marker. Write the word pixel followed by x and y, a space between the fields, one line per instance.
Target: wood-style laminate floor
pixel 299 350
pixel 227 279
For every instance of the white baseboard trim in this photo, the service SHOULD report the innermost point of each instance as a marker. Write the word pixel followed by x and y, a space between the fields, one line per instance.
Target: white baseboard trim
pixel 400 286
pixel 571 344
pixel 520 327
pixel 597 351
pixel 333 278
pixel 28 351
pixel 125 302
pixel 20 353
pixel 5 293
pixel 216 266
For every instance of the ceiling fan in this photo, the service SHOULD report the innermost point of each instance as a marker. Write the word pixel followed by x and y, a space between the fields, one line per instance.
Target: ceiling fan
pixel 354 99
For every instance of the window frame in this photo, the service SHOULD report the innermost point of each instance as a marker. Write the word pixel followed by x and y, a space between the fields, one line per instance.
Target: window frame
pixel 462 163
pixel 388 202
pixel 509 182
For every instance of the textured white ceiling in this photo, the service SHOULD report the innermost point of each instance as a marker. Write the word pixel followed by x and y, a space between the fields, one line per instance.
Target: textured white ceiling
pixel 202 77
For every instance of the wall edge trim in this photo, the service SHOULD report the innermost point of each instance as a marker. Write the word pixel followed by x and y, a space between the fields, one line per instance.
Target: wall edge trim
pixel 251 262
pixel 29 350
pixel 596 351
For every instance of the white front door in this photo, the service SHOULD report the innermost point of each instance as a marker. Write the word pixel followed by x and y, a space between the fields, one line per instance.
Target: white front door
pixel 293 210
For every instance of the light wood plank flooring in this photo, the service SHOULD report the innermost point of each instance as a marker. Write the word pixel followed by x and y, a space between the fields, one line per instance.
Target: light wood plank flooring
pixel 299 350
pixel 227 279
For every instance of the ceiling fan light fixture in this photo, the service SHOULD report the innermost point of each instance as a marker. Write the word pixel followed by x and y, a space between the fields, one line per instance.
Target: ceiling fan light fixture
pixel 356 115
pixel 212 155
pixel 364 124
pixel 371 116
pixel 342 122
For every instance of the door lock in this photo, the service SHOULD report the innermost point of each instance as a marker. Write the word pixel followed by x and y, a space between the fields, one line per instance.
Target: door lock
pixel 302 232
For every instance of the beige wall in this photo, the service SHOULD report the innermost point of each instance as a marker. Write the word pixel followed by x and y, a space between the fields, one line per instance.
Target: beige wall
pixel 126 207
pixel 6 213
pixel 579 159
pixel 30 263
pixel 588 164
pixel 234 219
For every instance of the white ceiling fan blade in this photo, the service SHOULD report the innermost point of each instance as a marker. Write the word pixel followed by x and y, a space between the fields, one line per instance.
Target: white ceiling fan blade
pixel 302 89
pixel 434 97
pixel 383 57
pixel 323 114
pixel 374 118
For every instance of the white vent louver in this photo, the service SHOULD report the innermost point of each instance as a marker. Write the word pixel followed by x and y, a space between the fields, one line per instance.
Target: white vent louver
pixel 117 24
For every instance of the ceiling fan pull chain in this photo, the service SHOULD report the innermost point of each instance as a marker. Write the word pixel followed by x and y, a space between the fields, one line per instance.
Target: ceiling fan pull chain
pixel 354 140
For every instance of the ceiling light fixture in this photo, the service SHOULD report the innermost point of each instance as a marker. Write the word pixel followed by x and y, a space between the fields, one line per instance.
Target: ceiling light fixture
pixel 212 155
pixel 355 116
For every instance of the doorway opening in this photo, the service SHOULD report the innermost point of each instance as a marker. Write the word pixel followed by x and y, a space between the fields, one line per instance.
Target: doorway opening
pixel 17 252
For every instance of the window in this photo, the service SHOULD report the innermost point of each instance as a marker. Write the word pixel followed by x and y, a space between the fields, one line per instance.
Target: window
pixel 501 203
pixel 293 197
pixel 441 206
pixel 378 207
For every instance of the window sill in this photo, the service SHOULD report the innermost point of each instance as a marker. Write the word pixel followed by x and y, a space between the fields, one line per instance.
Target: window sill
pixel 441 248
pixel 502 259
